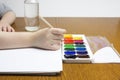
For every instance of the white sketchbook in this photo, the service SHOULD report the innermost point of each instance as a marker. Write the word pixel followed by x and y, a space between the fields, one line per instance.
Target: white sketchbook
pixel 106 55
pixel 30 60
pixel 104 51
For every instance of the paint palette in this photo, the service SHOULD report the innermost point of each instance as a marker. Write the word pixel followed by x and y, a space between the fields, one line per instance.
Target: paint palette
pixel 75 49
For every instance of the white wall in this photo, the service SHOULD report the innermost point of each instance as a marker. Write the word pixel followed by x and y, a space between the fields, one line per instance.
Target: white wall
pixel 71 8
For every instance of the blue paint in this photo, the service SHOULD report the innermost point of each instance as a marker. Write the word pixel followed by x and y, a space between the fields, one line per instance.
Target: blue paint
pixel 80 48
pixel 69 52
pixel 81 52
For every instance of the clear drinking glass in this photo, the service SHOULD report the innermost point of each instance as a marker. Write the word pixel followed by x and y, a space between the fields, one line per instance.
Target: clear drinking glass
pixel 31 14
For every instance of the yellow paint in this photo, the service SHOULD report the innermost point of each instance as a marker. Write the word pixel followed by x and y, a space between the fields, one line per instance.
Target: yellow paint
pixel 77 38
pixel 67 36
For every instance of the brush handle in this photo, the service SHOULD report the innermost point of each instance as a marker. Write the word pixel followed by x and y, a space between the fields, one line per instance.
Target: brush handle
pixel 43 19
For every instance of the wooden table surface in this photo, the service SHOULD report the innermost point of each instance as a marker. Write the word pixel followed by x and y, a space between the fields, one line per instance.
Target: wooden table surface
pixel 108 27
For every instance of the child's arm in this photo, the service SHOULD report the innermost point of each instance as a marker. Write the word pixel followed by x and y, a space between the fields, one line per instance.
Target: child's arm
pixel 7 19
pixel 47 38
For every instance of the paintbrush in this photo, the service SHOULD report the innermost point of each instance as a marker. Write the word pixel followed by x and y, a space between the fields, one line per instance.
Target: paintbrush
pixel 45 21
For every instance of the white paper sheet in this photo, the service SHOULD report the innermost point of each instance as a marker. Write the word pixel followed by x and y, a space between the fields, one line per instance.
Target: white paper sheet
pixel 30 60
pixel 106 55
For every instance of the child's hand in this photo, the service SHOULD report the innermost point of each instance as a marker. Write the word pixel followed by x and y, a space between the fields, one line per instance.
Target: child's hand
pixel 48 38
pixel 4 27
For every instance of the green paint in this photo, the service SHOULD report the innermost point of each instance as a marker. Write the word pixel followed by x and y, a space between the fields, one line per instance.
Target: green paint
pixel 69 46
pixel 69 49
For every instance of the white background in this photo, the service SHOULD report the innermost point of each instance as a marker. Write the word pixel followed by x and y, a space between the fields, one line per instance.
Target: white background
pixel 71 8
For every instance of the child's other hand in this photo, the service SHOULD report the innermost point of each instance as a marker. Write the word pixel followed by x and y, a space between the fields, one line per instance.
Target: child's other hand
pixel 4 27
pixel 49 38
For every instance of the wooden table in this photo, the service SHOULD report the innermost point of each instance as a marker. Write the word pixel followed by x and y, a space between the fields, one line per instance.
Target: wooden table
pixel 108 27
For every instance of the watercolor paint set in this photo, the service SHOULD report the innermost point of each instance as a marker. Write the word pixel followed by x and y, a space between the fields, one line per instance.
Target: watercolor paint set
pixel 75 49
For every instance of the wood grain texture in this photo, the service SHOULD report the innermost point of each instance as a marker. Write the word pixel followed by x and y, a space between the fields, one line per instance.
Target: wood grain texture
pixel 108 27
